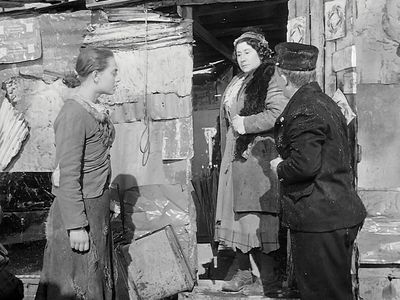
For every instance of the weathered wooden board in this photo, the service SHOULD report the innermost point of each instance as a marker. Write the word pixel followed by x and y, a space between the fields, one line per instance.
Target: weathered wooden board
pixel 303 9
pixel 296 30
pixel 157 266
pixel 211 290
pixel 348 39
pixel 317 37
pixel 330 76
pixel 19 40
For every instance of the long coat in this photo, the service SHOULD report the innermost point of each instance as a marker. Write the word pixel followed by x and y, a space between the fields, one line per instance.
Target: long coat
pixel 255 188
pixel 316 176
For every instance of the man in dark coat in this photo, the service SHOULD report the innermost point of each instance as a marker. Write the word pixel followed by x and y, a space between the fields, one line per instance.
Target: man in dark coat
pixel 318 200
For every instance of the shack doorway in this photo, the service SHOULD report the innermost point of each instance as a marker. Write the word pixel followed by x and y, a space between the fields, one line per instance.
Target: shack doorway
pixel 215 27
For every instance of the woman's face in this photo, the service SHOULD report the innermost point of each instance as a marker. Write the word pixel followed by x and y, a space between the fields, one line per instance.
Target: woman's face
pixel 247 57
pixel 106 78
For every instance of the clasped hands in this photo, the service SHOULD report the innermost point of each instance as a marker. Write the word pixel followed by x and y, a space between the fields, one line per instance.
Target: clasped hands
pixel 238 124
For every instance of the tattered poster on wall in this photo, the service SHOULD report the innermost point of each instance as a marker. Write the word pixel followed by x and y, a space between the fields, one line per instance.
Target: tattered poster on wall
pixel 19 40
pixel 296 30
pixel 335 19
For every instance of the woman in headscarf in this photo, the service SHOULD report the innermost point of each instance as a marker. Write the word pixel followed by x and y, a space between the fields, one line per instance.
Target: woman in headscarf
pixel 247 204
pixel 77 261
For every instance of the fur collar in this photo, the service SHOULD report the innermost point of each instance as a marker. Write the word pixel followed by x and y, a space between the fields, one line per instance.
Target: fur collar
pixel 254 101
pixel 96 110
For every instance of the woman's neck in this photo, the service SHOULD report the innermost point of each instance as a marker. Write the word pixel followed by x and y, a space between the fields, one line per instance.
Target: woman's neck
pixel 87 93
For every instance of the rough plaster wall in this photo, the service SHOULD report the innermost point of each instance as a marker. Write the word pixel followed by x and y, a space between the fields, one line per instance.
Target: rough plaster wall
pixel 379 135
pixel 377 37
pixel 35 98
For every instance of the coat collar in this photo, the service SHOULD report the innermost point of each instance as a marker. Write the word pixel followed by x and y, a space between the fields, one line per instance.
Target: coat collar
pixel 302 93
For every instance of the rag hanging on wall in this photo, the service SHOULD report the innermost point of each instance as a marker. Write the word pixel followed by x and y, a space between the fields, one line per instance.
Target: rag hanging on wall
pixel 145 137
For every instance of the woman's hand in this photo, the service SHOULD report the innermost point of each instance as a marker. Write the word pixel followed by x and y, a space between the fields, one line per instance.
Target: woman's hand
pixel 238 124
pixel 115 208
pixel 79 239
pixel 274 164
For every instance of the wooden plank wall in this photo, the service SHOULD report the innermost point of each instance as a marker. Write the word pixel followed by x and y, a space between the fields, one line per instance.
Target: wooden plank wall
pixel 314 34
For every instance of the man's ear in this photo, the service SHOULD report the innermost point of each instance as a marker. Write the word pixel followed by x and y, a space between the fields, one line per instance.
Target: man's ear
pixel 283 77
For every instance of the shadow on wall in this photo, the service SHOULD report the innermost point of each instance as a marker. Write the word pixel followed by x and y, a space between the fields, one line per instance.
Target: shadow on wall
pixel 123 231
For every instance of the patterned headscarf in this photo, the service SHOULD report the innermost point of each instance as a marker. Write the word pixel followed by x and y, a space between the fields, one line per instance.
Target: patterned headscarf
pixel 252 35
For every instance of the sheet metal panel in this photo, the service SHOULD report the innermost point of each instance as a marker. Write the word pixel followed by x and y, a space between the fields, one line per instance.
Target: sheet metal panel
pixel 62 37
pixel 19 40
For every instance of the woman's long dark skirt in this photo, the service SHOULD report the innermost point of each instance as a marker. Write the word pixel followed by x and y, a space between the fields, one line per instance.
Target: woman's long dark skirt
pixel 71 275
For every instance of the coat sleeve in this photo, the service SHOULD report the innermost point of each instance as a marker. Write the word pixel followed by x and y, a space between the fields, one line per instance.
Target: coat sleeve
pixel 70 132
pixel 306 135
pixel 275 102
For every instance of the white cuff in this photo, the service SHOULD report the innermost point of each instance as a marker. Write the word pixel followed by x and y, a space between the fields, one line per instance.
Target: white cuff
pixel 240 125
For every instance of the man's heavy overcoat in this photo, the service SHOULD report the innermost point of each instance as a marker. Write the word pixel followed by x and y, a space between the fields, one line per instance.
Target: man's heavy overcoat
pixel 317 192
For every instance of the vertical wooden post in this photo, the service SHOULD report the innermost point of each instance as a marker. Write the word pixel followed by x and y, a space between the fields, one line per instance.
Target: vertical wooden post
pixel 303 9
pixel 317 37
pixel 292 9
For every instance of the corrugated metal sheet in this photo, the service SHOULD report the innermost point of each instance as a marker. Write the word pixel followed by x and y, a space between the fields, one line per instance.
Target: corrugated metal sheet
pixel 62 36
pixel 132 36
pixel 13 131
pixel 137 14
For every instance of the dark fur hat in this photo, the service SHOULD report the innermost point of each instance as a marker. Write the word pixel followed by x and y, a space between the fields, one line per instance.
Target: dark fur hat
pixel 296 57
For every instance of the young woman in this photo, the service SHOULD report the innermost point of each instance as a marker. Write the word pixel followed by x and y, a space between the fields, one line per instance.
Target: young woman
pixel 247 205
pixel 77 260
